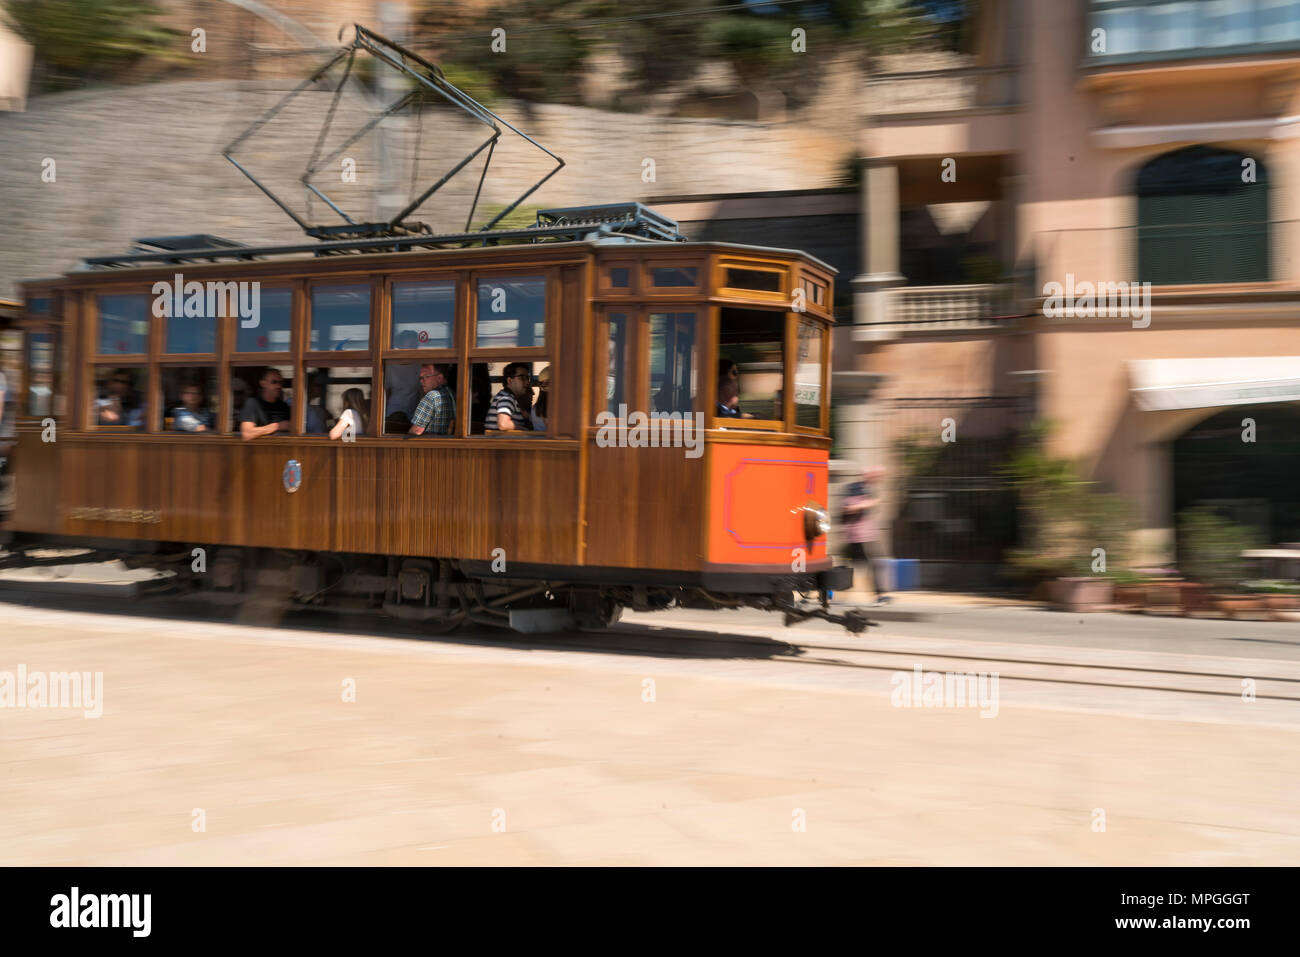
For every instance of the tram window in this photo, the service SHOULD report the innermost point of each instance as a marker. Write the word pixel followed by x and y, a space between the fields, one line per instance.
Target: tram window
pixel 815 291
pixel 673 371
pixel 40 366
pixel 332 389
pixel 616 377
pixel 424 314
pixel 534 409
pixel 620 277
pixel 11 377
pixel 758 280
pixel 39 306
pixel 189 399
pixel 808 384
pixel 245 385
pixel 119 397
pixel 270 332
pixel 123 324
pixel 186 334
pixel 340 318
pixel 753 341
pixel 511 311
pixel 405 385
pixel 674 276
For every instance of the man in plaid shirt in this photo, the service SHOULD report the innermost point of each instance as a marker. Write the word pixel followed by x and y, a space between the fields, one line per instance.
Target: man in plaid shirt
pixel 436 413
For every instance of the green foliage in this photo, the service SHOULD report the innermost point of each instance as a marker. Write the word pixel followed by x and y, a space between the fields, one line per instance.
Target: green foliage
pixel 1064 517
pixel 1211 547
pixel 77 41
pixel 549 42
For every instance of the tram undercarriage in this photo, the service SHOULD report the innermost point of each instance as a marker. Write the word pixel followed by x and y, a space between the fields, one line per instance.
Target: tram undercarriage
pixel 445 593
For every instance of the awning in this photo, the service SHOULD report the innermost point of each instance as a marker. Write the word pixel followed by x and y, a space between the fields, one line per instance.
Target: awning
pixel 1160 384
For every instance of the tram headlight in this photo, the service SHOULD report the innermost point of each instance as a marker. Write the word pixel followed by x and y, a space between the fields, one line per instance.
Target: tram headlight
pixel 816 521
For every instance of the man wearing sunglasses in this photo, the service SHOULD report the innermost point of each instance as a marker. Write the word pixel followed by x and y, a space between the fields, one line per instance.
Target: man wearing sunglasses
pixel 266 413
pixel 506 413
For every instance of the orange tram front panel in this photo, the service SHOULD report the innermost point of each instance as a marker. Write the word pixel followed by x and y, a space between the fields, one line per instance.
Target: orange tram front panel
pixel 757 494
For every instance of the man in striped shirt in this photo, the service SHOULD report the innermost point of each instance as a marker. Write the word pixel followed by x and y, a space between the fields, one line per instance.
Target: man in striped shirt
pixel 507 411
pixel 436 413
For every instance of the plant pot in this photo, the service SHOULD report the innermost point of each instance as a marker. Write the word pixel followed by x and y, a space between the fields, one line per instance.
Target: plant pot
pixel 1194 597
pixel 1131 596
pixel 1082 594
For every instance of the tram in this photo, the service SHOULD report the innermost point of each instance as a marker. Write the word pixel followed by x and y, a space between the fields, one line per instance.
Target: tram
pixel 665 439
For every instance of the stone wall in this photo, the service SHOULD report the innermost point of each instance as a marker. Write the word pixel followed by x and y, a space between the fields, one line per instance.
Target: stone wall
pixel 145 161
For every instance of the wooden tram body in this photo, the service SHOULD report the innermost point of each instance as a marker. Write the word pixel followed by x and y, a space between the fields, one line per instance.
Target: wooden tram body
pixel 581 520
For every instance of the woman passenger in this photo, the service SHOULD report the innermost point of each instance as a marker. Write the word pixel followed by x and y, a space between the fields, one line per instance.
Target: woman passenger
pixel 354 415
pixel 190 416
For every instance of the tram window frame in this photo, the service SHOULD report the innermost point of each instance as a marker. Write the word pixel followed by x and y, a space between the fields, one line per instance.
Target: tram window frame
pixel 289 374
pixel 168 368
pixel 389 348
pixel 310 369
pixel 23 390
pixel 823 428
pixel 231 328
pixel 766 267
pixel 732 424
pixel 649 290
pixel 96 299
pixel 147 388
pixel 605 285
pixel 550 304
pixel 374 290
pixel 645 385
pixel 630 318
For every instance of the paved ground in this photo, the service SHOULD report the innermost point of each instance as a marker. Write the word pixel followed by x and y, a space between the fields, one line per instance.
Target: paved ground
pixel 482 751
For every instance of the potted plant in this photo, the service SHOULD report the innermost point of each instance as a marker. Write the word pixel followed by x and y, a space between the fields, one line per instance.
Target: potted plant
pixel 1077 538
pixel 1211 546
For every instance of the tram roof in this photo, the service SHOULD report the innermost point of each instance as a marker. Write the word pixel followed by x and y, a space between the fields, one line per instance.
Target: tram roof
pixel 220 259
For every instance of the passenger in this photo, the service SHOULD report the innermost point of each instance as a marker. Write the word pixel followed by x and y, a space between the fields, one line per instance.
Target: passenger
pixel 728 404
pixel 355 415
pixel 541 410
pixel 238 396
pixel 266 413
pixel 318 417
pixel 436 413
pixel 402 391
pixel 480 395
pixel 190 416
pixel 121 404
pixel 506 413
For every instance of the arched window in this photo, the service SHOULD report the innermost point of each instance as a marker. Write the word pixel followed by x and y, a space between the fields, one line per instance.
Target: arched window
pixel 1199 220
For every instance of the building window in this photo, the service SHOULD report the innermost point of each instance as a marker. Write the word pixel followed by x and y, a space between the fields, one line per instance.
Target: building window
pixel 1198 222
pixel 1156 29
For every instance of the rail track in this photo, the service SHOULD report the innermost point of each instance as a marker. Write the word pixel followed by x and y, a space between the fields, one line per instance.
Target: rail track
pixel 1057 665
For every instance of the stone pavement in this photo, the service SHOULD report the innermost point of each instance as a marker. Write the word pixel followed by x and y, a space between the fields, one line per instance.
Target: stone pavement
pixel 455 753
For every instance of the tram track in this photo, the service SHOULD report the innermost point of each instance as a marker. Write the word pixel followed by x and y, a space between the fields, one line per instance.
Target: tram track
pixel 676 641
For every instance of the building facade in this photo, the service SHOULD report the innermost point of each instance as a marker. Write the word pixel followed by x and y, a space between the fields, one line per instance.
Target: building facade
pixel 1012 221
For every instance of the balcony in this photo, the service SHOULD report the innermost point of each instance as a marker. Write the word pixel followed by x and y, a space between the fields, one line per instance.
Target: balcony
pixel 949 112
pixel 939 310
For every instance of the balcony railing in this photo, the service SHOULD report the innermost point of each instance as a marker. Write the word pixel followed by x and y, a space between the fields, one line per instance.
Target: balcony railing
pixel 1167 255
pixel 937 309
pixel 938 91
